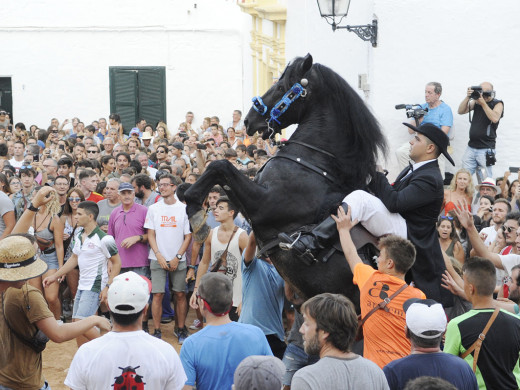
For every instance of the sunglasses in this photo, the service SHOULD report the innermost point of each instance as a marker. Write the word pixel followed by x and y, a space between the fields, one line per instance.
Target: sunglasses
pixel 92 151
pixel 447 217
pixel 508 228
pixel 26 167
pixel 75 199
pixel 54 131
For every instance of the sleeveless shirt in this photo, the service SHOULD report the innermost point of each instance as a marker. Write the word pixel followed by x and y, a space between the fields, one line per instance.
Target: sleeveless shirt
pixel 234 261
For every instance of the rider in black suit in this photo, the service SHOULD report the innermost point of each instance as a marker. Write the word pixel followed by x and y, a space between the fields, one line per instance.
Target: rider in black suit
pixel 417 196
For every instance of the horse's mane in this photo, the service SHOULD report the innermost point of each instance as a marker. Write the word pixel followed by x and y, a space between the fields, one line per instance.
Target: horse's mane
pixel 362 128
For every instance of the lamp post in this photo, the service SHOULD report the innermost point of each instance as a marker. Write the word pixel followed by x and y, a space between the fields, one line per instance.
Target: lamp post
pixel 332 9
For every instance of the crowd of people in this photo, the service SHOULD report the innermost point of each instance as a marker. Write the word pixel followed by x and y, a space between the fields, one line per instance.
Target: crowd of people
pixel 94 219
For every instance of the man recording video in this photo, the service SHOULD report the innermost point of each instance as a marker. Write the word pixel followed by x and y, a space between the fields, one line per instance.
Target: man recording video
pixel 438 114
pixel 487 111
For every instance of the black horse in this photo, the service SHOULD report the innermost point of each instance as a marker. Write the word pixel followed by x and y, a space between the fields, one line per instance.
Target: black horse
pixel 332 152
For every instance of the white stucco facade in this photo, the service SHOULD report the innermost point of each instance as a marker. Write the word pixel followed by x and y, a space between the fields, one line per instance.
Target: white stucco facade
pixel 58 55
pixel 457 43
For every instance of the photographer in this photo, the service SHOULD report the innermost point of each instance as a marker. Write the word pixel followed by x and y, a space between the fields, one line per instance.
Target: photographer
pixel 487 112
pixel 438 113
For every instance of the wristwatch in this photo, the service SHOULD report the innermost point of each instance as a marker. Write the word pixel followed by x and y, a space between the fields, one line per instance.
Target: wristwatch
pixel 192 266
pixel 140 238
pixel 32 208
pixel 178 256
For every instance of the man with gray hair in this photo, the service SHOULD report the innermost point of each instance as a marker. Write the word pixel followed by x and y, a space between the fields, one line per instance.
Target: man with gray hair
pixel 439 114
pixel 425 327
pixel 107 205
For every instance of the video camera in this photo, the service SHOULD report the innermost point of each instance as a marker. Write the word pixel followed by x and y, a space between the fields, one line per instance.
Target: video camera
pixel 413 110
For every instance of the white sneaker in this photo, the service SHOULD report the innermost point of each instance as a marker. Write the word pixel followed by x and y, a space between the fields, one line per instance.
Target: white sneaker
pixel 196 325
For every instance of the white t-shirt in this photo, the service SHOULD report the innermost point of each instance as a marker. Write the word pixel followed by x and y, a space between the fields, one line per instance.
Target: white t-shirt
pixel 100 363
pixel 93 255
pixel 509 261
pixel 171 224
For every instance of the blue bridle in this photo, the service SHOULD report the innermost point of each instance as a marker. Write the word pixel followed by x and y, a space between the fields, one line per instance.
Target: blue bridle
pixel 282 105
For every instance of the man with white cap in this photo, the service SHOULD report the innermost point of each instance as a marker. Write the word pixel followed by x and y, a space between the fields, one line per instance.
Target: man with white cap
pixel 425 326
pixel 127 356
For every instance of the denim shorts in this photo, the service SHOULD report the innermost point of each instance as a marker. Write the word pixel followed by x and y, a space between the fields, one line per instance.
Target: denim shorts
pixel 51 259
pixel 86 304
pixel 294 359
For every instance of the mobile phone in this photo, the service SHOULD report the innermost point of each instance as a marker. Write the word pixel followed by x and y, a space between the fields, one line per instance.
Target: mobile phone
pixel 62 147
pixel 201 146
pixel 514 169
pixel 36 157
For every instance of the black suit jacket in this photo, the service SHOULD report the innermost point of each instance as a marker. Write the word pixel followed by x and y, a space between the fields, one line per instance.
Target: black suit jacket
pixel 418 198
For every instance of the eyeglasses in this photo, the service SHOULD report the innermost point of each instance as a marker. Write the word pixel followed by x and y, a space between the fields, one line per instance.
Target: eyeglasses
pixel 508 228
pixel 75 199
pixel 447 217
pixel 164 185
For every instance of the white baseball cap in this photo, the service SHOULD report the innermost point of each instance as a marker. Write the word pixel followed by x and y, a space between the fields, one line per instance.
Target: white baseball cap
pixel 423 315
pixel 129 293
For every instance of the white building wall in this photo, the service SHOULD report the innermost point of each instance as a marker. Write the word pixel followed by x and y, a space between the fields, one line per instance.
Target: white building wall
pixel 58 55
pixel 457 43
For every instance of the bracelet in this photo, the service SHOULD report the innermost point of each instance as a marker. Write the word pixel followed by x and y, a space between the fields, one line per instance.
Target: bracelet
pixel 192 266
pixel 141 238
pixel 32 208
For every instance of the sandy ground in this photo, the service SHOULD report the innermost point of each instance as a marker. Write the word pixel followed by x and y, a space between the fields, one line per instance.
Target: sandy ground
pixel 57 357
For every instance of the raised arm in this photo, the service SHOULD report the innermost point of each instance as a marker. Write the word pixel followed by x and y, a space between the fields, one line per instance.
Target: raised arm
pixel 345 224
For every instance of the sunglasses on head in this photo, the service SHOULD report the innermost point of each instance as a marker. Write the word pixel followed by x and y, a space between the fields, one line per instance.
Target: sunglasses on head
pixel 26 167
pixel 447 217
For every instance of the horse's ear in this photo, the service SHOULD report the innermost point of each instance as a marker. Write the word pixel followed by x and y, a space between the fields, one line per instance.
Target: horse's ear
pixel 307 64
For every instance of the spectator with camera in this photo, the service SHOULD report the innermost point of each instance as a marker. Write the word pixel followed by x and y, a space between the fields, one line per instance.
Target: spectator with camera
pixel 434 111
pixel 487 111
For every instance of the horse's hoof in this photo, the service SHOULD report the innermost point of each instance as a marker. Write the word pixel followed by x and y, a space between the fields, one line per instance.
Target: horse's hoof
pixel 201 234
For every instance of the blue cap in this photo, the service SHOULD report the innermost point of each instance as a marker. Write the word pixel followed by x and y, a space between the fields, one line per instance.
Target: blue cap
pixel 135 130
pixel 41 144
pixel 126 187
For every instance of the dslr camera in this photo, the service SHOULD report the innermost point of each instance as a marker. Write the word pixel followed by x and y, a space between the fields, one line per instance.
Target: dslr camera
pixel 413 110
pixel 477 90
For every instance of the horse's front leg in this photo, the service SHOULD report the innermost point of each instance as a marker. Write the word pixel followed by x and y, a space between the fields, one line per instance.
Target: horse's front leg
pixel 242 191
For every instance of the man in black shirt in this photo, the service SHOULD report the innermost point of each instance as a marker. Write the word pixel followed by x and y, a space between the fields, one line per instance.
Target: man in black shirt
pixel 487 111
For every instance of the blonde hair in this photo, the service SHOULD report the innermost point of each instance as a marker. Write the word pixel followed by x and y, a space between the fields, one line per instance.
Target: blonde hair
pixel 470 189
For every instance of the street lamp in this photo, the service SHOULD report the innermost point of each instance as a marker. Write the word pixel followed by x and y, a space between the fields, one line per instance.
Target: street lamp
pixel 332 9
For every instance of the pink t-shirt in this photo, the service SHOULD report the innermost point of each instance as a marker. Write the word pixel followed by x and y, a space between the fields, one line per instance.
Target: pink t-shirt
pixel 122 225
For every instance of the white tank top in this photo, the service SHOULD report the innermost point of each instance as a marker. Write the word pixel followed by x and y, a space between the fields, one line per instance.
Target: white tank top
pixel 234 261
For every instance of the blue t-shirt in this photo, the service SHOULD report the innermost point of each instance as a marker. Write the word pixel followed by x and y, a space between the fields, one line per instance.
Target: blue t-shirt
pixel 211 355
pixel 443 365
pixel 262 297
pixel 438 116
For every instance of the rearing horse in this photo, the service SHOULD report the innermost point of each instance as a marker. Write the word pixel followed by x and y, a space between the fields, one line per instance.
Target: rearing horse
pixel 332 152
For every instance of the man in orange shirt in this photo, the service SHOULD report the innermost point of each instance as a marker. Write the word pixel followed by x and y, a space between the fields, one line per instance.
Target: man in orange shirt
pixel 384 329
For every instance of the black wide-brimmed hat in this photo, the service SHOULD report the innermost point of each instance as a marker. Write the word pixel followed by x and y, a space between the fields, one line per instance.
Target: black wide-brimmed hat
pixel 436 135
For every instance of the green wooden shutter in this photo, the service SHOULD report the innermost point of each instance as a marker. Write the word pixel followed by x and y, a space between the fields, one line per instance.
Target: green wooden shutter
pixel 152 94
pixel 123 95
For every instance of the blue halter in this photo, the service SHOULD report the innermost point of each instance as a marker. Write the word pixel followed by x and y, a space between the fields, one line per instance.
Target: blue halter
pixel 282 105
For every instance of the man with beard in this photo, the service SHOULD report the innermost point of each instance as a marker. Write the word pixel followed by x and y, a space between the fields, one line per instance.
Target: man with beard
pixel 500 210
pixel 144 195
pixel 329 329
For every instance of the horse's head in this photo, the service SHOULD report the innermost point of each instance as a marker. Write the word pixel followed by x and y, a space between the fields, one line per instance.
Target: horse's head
pixel 282 104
